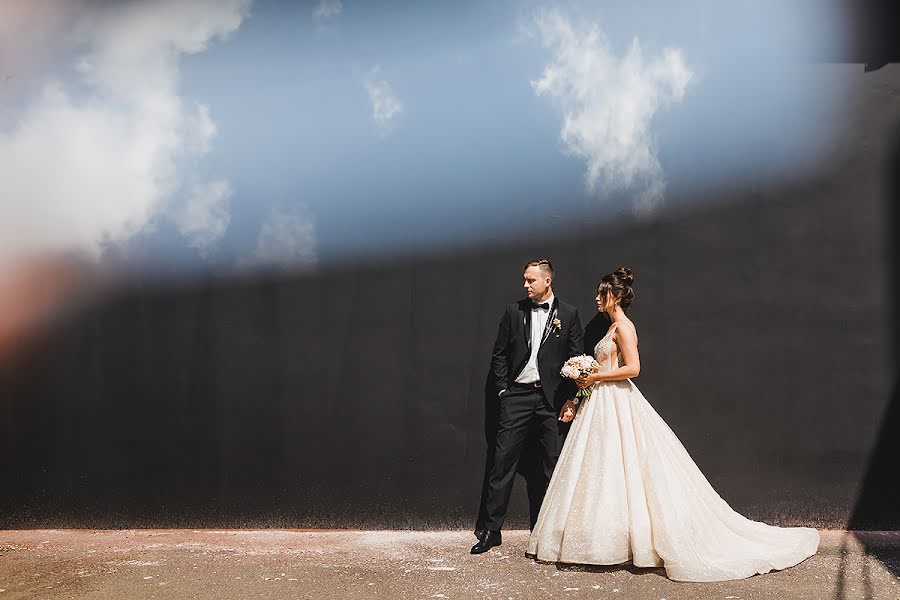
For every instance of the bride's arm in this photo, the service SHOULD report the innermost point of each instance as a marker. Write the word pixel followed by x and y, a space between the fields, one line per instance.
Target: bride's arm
pixel 626 338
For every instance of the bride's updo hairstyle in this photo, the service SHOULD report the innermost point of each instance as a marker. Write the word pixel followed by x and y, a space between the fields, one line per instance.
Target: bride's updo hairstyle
pixel 618 283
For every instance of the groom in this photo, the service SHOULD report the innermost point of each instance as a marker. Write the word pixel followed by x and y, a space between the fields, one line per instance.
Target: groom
pixel 537 335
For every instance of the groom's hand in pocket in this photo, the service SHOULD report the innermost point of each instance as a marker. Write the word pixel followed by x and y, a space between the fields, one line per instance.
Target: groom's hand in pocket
pixel 568 412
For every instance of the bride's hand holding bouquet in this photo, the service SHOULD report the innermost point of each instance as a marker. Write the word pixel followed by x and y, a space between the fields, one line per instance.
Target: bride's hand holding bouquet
pixel 581 369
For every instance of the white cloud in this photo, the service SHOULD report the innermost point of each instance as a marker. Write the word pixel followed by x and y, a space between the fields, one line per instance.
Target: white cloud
pixel 204 216
pixel 327 9
pixel 93 149
pixel 608 103
pixel 287 239
pixel 385 105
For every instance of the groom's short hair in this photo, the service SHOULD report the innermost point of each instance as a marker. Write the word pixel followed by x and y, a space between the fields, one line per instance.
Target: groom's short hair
pixel 543 264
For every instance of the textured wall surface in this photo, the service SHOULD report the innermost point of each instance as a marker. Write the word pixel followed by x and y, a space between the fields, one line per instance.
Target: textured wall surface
pixel 354 397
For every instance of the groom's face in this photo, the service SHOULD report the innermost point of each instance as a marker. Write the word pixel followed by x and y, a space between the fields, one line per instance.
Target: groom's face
pixel 536 282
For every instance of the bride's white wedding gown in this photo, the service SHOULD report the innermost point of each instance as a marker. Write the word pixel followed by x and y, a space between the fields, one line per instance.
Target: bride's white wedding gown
pixel 625 488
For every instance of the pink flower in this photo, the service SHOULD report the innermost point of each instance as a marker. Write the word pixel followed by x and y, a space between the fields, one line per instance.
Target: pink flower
pixel 570 372
pixel 577 366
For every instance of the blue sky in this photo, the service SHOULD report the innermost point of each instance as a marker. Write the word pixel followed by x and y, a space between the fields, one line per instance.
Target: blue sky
pixel 288 133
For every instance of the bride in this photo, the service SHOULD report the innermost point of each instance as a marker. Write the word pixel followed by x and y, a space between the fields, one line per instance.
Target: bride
pixel 625 489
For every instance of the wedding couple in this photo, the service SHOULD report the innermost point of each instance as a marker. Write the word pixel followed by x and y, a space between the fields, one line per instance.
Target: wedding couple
pixel 619 485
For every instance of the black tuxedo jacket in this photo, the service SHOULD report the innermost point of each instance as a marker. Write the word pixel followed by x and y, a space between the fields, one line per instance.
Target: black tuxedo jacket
pixel 513 347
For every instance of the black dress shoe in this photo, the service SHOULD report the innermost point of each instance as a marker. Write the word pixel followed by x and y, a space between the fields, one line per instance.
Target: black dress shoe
pixel 491 539
pixel 480 533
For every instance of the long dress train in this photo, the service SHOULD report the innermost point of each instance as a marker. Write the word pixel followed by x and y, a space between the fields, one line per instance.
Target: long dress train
pixel 625 488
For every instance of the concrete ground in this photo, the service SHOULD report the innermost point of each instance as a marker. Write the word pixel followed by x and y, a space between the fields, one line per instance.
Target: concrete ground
pixel 392 564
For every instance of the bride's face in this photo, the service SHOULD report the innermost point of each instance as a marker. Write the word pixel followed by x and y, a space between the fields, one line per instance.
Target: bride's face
pixel 603 301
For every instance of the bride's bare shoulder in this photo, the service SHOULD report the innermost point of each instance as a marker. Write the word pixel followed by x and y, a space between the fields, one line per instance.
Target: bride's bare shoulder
pixel 629 329
pixel 628 322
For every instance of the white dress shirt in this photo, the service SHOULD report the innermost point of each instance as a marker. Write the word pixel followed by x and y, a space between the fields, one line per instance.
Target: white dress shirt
pixel 539 318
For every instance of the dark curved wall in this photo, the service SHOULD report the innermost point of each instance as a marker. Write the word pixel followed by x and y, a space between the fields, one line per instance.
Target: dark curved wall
pixel 354 397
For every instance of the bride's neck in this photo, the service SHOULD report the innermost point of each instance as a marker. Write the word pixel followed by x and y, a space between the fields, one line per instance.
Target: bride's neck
pixel 617 314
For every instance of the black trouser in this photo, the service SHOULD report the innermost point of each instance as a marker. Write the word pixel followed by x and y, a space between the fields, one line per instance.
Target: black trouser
pixel 522 411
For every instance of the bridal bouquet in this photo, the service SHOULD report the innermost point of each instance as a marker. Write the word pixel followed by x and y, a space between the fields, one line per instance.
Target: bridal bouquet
pixel 576 367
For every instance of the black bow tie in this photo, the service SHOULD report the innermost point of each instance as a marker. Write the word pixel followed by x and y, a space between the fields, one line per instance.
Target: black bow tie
pixel 544 305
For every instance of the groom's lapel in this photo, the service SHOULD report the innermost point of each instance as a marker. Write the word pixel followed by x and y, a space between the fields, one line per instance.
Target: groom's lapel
pixel 554 310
